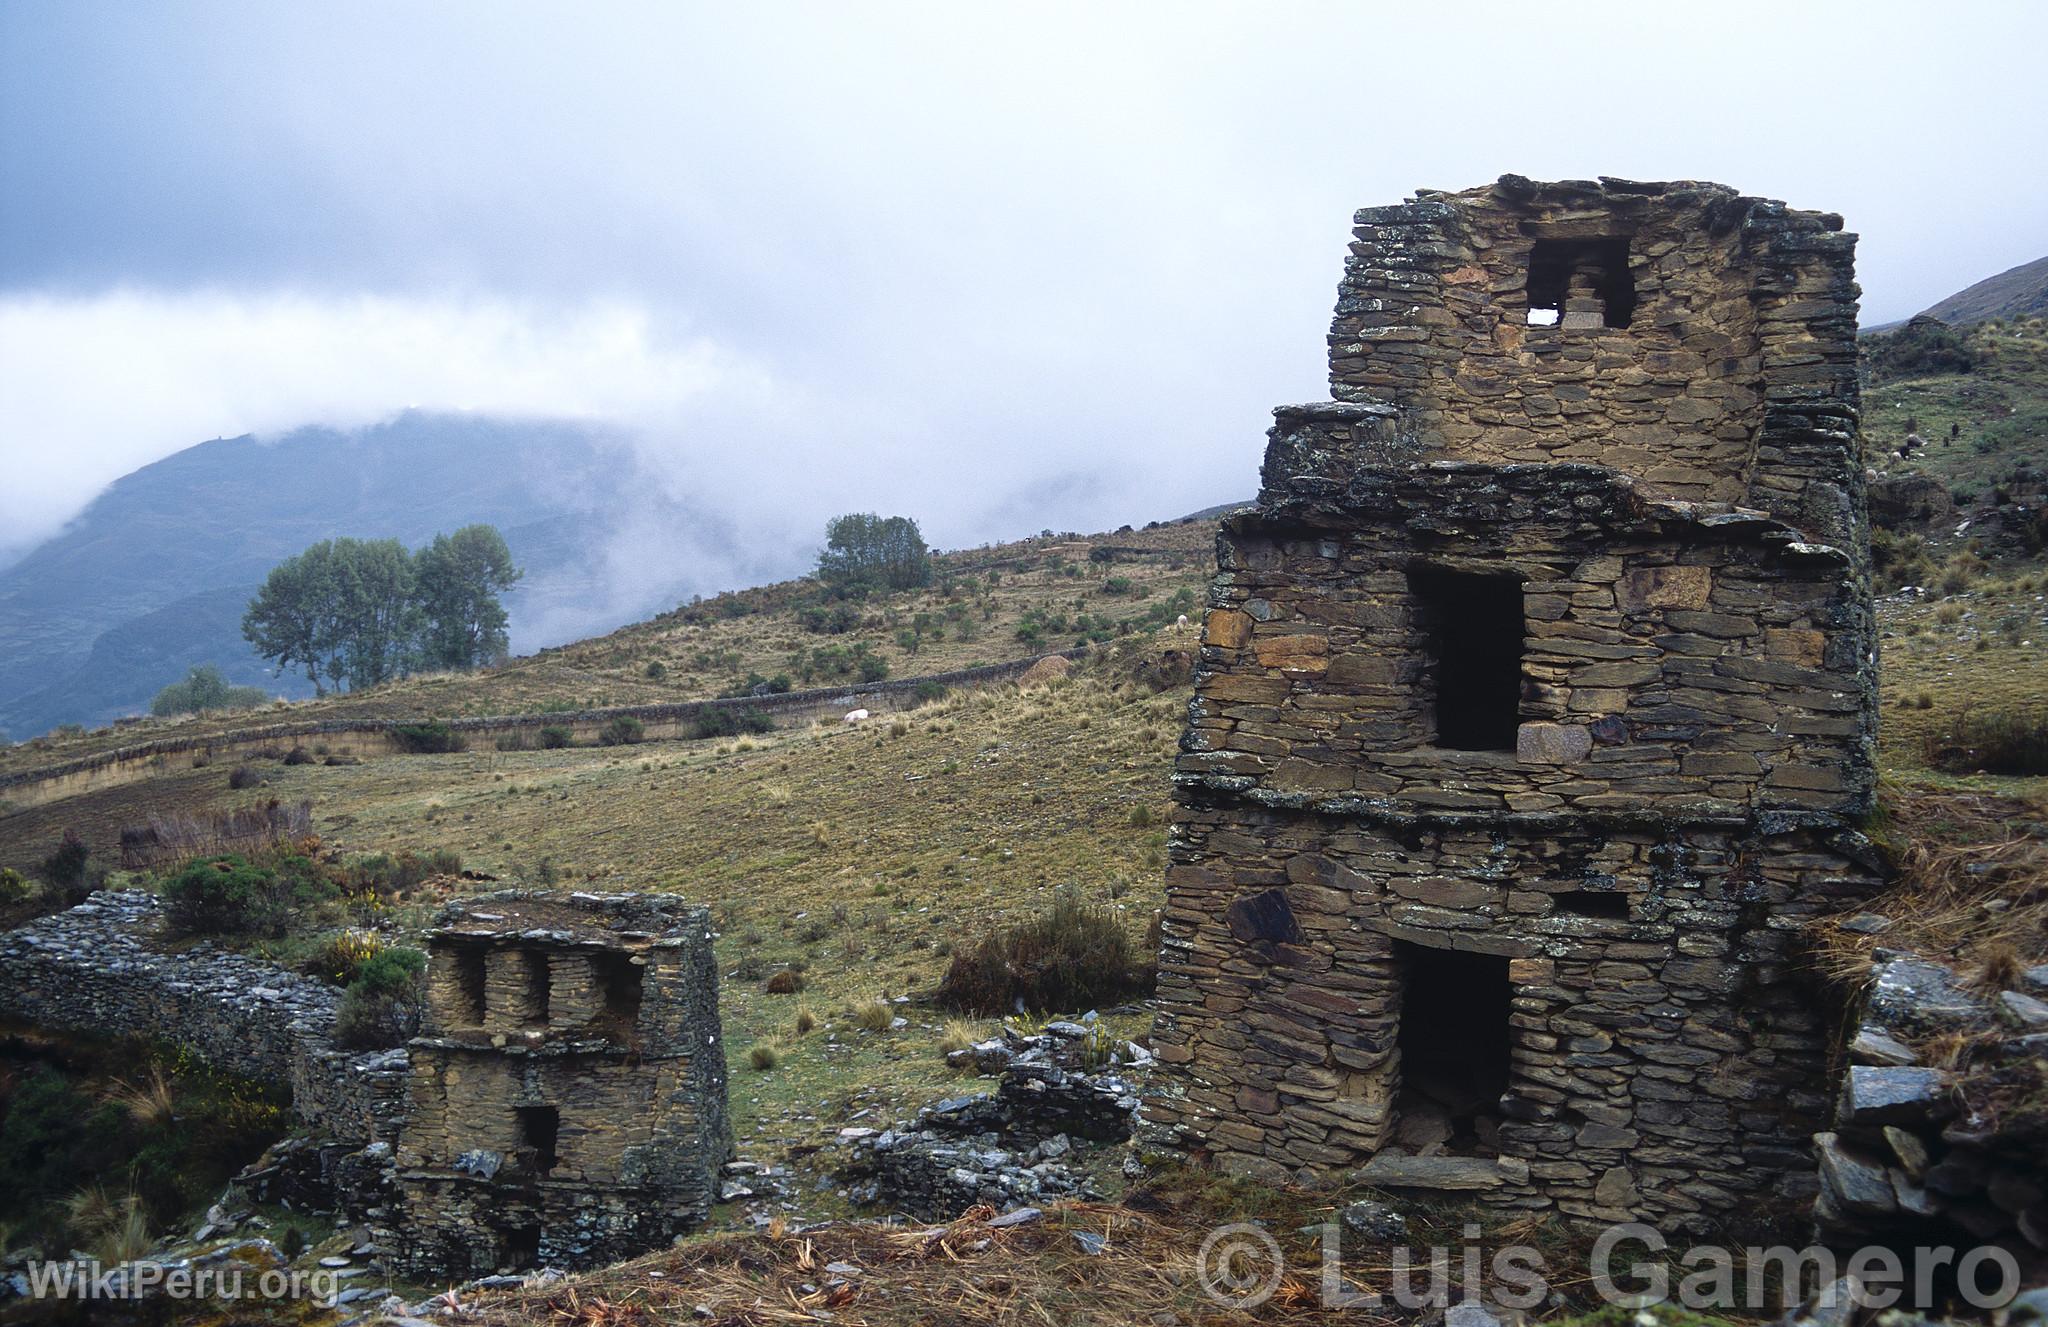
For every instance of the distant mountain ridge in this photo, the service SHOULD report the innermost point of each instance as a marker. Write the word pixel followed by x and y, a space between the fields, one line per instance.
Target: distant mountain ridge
pixel 2020 292
pixel 154 575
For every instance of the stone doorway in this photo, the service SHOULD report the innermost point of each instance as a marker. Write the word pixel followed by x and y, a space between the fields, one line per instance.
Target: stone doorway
pixel 1455 1052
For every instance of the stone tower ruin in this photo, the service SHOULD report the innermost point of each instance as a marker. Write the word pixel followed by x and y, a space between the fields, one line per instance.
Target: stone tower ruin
pixel 1535 717
pixel 567 1100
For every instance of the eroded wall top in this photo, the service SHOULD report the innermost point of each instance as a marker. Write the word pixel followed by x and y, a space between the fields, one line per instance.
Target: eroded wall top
pixel 1699 340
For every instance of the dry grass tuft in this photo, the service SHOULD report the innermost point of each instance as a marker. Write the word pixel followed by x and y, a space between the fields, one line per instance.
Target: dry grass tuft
pixel 958 1035
pixel 151 1102
pixel 1972 886
pixel 805 1020
pixel 874 1016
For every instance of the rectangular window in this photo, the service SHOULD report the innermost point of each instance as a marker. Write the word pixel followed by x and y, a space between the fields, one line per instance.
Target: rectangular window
pixel 1475 630
pixel 1581 283
pixel 1607 903
pixel 469 985
pixel 539 1129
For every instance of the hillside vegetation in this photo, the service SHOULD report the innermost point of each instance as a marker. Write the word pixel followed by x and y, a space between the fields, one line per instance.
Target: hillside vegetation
pixel 985 605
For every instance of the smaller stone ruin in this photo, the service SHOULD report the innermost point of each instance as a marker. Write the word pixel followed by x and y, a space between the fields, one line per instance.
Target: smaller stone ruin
pixel 567 1100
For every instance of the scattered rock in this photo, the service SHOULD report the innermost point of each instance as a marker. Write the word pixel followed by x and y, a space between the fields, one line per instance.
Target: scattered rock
pixel 1375 1220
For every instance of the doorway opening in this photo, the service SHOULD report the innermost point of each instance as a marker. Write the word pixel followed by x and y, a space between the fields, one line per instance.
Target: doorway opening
pixel 1455 1049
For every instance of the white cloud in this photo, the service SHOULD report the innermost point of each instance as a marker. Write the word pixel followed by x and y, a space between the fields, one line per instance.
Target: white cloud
pixel 92 387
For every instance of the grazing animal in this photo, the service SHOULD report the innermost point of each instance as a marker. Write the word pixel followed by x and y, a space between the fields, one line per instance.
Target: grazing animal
pixel 855 716
pixel 1180 627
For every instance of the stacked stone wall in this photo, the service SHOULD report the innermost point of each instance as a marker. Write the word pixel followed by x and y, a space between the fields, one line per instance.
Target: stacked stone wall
pixel 1745 320
pixel 97 969
pixel 1534 718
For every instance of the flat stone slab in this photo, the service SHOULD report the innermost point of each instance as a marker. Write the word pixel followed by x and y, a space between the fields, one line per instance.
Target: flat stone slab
pixel 1884 1095
pixel 1402 1172
pixel 1914 996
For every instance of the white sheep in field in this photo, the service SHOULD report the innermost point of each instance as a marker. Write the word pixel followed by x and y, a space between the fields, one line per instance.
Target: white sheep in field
pixel 855 716
pixel 1180 627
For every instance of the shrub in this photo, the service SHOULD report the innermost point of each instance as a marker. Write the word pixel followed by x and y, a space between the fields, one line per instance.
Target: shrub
pixel 554 737
pixel 623 730
pixel 1996 742
pixel 14 888
pixel 724 722
pixel 387 873
pixel 656 670
pixel 298 755
pixel 785 982
pixel 69 868
pixel 875 1016
pixel 764 1056
pixel 805 1020
pixel 430 738
pixel 204 688
pixel 928 691
pixel 1117 585
pixel 244 776
pixel 382 1005
pixel 340 957
pixel 225 895
pixel 1072 956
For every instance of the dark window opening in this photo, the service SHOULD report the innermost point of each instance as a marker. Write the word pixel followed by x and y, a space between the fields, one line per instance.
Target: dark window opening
pixel 619 979
pixel 1581 283
pixel 1475 643
pixel 1592 903
pixel 538 987
pixel 522 1248
pixel 1455 1049
pixel 469 985
pixel 539 1128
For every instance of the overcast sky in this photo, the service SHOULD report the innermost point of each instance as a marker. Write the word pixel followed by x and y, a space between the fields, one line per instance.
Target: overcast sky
pixel 996 267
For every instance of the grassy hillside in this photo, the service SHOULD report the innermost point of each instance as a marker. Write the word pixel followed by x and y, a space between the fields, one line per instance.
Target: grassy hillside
pixel 986 605
pixel 1978 426
pixel 2019 292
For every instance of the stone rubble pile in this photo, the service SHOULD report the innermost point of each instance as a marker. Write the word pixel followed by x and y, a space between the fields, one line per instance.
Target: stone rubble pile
pixel 1909 1159
pixel 1060 1091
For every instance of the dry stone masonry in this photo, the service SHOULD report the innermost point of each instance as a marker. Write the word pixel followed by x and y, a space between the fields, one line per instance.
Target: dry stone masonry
pixel 566 1106
pixel 1535 716
pixel 568 1096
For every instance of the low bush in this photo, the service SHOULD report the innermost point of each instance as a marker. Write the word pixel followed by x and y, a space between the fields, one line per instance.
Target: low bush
pixel 926 692
pixel 430 738
pixel 1072 956
pixel 554 737
pixel 231 895
pixel 14 887
pixel 245 776
pixel 298 755
pixel 623 730
pixel 1993 741
pixel 70 870
pixel 385 873
pixel 381 1007
pixel 875 1016
pixel 339 958
pixel 656 670
pixel 785 982
pixel 723 722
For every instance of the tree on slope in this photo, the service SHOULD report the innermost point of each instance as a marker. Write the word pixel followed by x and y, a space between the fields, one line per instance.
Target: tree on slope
pixel 862 548
pixel 458 579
